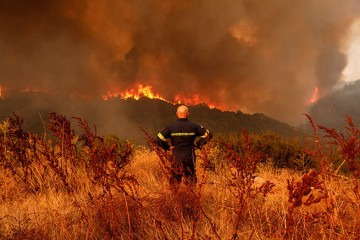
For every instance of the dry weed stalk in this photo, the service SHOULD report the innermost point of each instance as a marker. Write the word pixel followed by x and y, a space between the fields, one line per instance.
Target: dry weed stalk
pixel 349 149
pixel 19 154
pixel 316 184
pixel 105 165
pixel 242 163
pixel 310 190
pixel 38 163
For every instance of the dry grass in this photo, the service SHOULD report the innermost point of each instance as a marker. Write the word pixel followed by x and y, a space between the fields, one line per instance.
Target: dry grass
pixel 57 215
pixel 78 199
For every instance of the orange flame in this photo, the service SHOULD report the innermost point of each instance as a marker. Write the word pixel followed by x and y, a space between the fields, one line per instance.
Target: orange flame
pixel 109 95
pixel 136 93
pixel 193 100
pixel 1 94
pixel 139 91
pixel 314 97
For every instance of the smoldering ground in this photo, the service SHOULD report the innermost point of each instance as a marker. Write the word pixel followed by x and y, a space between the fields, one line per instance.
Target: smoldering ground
pixel 253 56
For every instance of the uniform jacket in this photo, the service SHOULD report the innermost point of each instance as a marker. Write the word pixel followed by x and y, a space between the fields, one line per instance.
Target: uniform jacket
pixel 182 134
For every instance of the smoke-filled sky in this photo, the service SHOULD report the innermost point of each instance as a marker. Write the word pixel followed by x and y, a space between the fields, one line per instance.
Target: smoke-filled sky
pixel 253 56
pixel 352 70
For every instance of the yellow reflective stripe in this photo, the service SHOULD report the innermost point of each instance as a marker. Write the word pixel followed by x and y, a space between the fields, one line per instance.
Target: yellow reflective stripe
pixel 206 134
pixel 183 134
pixel 161 137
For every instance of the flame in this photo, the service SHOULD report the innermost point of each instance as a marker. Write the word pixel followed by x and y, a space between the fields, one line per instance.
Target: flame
pixel 109 95
pixel 24 90
pixel 315 96
pixel 30 89
pixel 193 100
pixel 137 92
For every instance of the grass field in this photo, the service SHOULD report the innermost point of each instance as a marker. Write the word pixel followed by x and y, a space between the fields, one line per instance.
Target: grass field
pixel 87 187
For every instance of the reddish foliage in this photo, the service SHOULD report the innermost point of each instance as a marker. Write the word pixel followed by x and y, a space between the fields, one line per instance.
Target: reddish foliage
pixel 244 164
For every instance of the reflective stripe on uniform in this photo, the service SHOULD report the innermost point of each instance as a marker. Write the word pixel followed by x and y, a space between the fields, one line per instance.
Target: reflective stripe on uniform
pixel 206 134
pixel 183 134
pixel 161 137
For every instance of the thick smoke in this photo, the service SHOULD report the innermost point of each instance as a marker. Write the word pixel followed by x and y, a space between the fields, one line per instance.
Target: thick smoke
pixel 253 56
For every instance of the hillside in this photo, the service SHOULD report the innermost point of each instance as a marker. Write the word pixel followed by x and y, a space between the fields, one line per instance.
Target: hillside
pixel 125 117
pixel 331 110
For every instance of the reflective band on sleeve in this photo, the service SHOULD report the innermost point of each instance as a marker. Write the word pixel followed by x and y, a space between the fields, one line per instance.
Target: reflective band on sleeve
pixel 206 134
pixel 183 134
pixel 161 137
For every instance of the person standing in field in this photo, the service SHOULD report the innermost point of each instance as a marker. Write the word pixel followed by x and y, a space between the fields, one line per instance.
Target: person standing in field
pixel 182 134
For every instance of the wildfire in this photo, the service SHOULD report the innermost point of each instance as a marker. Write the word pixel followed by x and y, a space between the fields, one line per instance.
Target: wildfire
pixel 139 91
pixel 315 96
pixel 194 100
pixel 136 93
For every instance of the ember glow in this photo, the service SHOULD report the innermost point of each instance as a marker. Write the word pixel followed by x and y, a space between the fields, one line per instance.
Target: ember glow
pixel 1 94
pixel 314 97
pixel 30 89
pixel 244 32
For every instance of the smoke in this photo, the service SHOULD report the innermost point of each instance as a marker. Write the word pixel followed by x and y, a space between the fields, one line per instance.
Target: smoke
pixel 253 56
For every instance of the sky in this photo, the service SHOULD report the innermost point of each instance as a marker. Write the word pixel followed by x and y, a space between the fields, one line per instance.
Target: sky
pixel 239 55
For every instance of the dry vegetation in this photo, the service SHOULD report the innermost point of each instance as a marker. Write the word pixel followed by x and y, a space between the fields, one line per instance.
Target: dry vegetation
pixel 69 186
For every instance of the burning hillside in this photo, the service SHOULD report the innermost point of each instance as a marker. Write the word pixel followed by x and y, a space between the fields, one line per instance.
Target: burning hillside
pixel 140 91
pixel 332 110
pixel 124 118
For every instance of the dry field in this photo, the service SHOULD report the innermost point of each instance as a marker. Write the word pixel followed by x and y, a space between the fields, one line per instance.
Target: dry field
pixel 87 187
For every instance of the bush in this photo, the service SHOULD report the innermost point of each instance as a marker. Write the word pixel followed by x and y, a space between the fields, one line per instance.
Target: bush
pixel 276 150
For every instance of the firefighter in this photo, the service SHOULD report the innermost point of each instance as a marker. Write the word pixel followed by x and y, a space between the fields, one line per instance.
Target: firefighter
pixel 182 134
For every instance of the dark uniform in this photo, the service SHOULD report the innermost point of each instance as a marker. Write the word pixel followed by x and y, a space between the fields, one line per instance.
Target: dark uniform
pixel 182 134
